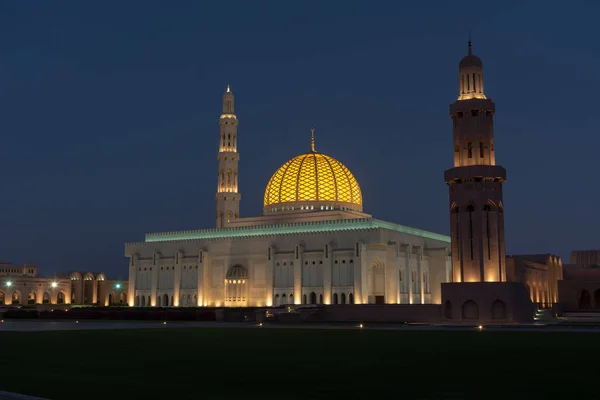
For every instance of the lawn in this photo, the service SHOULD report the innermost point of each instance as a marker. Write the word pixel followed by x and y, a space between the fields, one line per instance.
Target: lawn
pixel 263 363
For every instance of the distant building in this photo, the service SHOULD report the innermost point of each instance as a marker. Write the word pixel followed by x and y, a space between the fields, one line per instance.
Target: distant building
pixel 540 273
pixel 20 285
pixel 585 258
pixel 580 288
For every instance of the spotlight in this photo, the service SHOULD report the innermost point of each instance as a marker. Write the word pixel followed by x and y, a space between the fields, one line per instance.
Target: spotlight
pixel 480 327
pixel 9 284
pixel 54 284
pixel 361 326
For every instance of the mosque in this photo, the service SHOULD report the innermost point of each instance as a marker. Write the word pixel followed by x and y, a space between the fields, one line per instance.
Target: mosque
pixel 314 243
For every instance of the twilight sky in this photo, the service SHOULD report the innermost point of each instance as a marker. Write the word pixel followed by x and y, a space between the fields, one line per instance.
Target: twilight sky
pixel 109 114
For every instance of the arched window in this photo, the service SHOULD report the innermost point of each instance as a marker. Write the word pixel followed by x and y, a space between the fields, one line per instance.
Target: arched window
pixel 46 298
pixel 303 299
pixel 335 298
pixel 499 310
pixel 321 299
pixel 584 299
pixel 471 210
pixel 343 298
pixel 350 298
pixel 313 298
pixel 487 209
pixel 276 300
pixel 291 299
pixel 470 311
pixel 448 310
pixel 60 298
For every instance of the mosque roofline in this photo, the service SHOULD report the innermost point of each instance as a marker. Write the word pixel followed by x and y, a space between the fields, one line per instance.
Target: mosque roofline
pixel 290 229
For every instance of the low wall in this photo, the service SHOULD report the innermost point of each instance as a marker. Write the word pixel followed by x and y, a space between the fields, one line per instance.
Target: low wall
pixel 379 313
pixel 490 302
pixel 110 313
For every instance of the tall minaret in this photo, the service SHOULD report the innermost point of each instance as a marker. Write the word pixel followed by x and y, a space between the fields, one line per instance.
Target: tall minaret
pixel 227 197
pixel 476 208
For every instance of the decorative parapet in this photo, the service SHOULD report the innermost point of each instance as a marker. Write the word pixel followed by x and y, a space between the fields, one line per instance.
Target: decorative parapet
pixel 292 229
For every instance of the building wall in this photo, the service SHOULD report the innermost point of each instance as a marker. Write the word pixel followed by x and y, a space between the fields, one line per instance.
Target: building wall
pixel 540 273
pixel 580 288
pixel 362 266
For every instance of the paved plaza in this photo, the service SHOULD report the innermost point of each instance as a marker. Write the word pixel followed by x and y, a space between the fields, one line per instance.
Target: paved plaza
pixel 35 326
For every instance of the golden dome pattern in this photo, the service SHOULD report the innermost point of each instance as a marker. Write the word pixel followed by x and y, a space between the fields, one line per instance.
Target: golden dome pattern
pixel 316 179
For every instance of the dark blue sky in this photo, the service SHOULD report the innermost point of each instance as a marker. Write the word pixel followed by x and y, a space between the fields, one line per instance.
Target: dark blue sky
pixel 110 109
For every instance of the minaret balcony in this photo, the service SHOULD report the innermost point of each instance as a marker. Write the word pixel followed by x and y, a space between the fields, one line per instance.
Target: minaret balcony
pixel 495 173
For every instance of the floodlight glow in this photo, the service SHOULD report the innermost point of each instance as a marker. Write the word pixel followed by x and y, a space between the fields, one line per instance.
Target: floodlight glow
pixel 54 284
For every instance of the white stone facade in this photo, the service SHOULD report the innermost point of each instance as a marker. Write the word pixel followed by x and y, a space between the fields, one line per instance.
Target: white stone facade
pixel 352 261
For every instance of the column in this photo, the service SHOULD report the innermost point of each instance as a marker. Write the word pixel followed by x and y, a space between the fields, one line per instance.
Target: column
pixel 327 268
pixel 364 274
pixel 270 274
pixel 177 278
pixel 408 269
pixel 202 270
pixel 154 281
pixel 298 265
pixel 420 273
pixel 358 266
pixel 132 279
pixel 398 262
pixel 94 291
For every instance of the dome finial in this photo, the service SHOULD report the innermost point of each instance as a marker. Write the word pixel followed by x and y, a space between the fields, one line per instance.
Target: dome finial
pixel 470 42
pixel 229 88
pixel 312 139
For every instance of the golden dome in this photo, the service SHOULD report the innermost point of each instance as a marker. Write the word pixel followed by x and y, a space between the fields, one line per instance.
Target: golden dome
pixel 312 181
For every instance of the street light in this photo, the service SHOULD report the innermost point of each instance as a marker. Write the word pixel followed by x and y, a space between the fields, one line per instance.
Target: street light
pixel 118 286
pixel 9 284
pixel 54 284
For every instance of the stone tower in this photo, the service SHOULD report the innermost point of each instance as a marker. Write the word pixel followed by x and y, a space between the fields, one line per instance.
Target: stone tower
pixel 475 182
pixel 227 197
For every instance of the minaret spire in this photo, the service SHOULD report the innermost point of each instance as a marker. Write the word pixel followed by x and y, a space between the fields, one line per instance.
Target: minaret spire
pixel 475 183
pixel 227 196
pixel 312 139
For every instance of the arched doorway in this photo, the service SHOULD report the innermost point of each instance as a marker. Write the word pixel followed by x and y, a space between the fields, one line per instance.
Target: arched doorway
pixel 142 301
pixel 165 299
pixel 499 310
pixel 276 303
pixel 376 283
pixel 31 298
pixel 16 298
pixel 584 299
pixel 123 298
pixel 111 299
pixel 2 297
pixel 236 287
pixel 60 298
pixel 448 310
pixel 137 301
pixel 313 298
pixel 46 298
pixel 291 299
pixel 283 301
pixel 335 298
pixel 470 311
pixel 597 298
pixel 321 299
pixel 350 298
pixel 343 298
